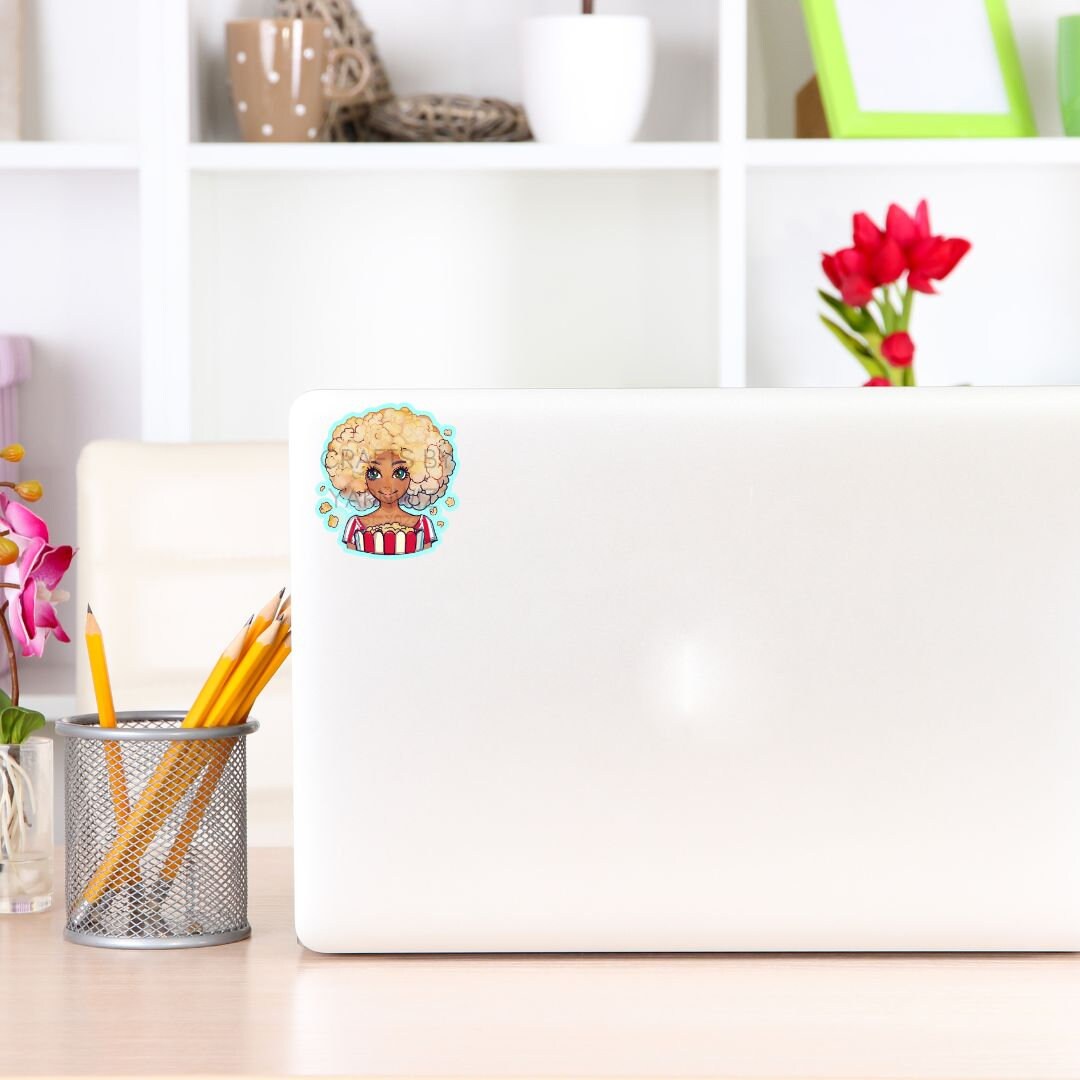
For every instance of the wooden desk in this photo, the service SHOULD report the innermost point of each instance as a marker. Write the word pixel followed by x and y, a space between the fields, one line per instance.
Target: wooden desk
pixel 266 1006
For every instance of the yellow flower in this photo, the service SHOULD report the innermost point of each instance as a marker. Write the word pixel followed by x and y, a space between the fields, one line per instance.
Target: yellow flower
pixel 30 490
pixel 14 452
pixel 9 551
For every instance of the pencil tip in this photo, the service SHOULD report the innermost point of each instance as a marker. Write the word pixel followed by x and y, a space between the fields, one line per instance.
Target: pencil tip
pixel 282 593
pixel 89 610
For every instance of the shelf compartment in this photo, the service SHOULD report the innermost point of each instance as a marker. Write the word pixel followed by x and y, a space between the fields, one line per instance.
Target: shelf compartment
pixel 443 46
pixel 1003 318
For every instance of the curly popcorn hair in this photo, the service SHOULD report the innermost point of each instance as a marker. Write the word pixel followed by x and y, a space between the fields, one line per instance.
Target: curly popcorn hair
pixel 357 441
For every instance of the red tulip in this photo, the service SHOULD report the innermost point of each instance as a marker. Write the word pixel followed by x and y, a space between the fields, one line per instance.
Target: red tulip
pixel 877 380
pixel 934 260
pixel 928 258
pixel 898 349
pixel 849 271
pixel 883 254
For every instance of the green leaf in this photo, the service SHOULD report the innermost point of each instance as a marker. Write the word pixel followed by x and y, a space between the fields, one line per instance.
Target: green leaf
pixel 852 344
pixel 5 701
pixel 859 319
pixel 9 717
pixel 870 363
pixel 18 724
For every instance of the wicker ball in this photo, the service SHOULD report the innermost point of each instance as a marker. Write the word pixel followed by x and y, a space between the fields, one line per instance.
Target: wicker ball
pixel 447 118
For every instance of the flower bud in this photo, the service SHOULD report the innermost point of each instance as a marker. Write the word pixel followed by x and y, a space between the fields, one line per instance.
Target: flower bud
pixel 30 490
pixel 9 551
pixel 14 452
pixel 898 349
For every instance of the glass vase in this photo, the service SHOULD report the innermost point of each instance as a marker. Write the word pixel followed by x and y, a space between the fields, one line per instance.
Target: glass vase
pixel 26 834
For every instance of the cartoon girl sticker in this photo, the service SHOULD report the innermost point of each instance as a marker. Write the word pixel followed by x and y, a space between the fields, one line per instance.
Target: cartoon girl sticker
pixel 393 460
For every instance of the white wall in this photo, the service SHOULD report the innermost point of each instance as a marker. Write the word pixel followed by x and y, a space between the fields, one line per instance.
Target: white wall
pixel 446 279
pixel 81 70
pixel 69 279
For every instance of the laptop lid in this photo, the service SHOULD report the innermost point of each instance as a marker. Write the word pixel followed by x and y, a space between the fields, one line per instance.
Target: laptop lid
pixel 686 669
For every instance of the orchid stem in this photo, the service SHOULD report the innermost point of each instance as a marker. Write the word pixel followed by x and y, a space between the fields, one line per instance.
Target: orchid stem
pixel 13 662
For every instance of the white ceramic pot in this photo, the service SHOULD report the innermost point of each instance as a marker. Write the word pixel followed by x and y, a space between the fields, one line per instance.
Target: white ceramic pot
pixel 586 78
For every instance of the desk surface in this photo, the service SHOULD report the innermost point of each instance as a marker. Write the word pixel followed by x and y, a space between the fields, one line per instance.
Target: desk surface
pixel 266 1006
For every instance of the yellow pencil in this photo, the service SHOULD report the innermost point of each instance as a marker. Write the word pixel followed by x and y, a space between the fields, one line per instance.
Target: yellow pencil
pixel 218 757
pixel 277 658
pixel 243 677
pixel 211 689
pixel 114 761
pixel 263 618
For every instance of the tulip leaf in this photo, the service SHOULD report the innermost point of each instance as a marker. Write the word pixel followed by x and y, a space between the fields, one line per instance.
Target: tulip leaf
pixel 858 319
pixel 18 724
pixel 871 364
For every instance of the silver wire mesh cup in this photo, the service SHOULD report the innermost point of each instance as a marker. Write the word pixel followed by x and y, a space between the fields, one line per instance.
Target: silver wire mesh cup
pixel 156 832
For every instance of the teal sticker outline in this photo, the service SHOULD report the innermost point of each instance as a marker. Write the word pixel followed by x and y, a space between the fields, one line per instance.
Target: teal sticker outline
pixel 326 492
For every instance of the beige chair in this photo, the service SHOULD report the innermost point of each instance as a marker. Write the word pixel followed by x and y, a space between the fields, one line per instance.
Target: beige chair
pixel 178 544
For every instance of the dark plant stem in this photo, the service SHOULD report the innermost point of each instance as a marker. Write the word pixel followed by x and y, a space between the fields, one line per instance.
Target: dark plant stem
pixel 586 7
pixel 12 659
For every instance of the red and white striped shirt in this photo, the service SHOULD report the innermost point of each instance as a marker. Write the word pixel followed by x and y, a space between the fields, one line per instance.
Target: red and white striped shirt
pixel 373 541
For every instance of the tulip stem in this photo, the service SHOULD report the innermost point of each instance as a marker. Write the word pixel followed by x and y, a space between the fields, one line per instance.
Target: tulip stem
pixel 13 662
pixel 905 311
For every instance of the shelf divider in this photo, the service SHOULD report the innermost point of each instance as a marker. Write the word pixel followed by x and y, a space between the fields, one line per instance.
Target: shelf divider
pixel 164 209
pixel 732 223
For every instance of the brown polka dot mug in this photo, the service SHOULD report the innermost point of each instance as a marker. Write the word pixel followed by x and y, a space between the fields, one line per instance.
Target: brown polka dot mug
pixel 282 75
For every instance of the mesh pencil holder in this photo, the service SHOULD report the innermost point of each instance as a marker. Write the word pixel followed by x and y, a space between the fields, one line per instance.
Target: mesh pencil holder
pixel 156 832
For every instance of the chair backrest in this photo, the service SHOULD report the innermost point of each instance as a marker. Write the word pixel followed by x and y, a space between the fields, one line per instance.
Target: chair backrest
pixel 178 543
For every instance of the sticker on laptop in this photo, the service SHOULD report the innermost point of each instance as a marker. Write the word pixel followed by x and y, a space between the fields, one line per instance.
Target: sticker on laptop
pixel 386 486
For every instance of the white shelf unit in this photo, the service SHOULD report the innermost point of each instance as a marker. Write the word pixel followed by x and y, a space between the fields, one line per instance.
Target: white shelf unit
pixel 181 285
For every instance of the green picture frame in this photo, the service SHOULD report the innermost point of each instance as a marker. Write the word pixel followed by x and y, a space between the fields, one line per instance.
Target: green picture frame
pixel 848 121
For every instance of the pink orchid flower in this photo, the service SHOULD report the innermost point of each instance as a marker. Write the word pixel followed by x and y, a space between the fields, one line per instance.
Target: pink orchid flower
pixel 37 573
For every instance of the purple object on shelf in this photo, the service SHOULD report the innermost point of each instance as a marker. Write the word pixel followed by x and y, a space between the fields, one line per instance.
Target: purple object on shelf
pixel 14 369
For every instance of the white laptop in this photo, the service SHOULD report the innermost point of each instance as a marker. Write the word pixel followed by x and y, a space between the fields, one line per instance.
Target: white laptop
pixel 667 670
